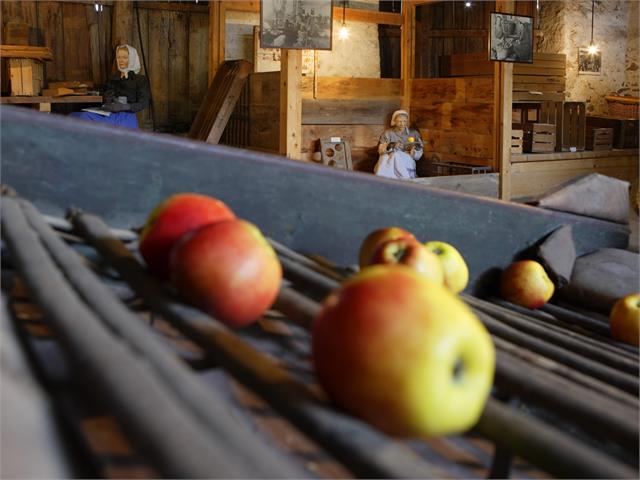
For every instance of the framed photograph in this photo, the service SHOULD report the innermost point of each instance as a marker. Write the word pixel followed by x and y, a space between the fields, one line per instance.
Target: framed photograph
pixel 296 24
pixel 511 38
pixel 589 63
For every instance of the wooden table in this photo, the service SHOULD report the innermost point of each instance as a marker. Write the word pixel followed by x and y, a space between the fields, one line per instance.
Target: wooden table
pixel 43 104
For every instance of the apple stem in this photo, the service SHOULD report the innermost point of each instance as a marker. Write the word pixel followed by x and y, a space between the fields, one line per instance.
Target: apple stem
pixel 437 251
pixel 458 370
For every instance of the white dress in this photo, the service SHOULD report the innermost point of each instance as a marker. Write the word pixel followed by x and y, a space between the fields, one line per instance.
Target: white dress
pixel 397 162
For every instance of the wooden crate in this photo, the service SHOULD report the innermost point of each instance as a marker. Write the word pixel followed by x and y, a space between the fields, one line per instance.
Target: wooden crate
pixel 625 131
pixel 539 137
pixel 25 76
pixel 570 121
pixel 517 141
pixel 599 139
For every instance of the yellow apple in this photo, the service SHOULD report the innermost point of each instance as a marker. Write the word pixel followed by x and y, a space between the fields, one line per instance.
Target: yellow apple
pixel 410 252
pixel 526 283
pixel 624 320
pixel 456 273
pixel 403 353
pixel 377 237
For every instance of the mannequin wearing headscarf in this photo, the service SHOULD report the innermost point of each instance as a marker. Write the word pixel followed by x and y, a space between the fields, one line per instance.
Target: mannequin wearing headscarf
pixel 125 93
pixel 399 148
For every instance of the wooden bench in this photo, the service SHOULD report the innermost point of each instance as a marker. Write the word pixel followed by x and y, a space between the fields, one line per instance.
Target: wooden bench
pixel 43 104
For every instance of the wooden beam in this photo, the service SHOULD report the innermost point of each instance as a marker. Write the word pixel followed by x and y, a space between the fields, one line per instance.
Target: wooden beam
pixel 291 103
pixel 368 16
pixel 122 23
pixel 174 6
pixel 214 39
pixel 503 91
pixel 407 47
pixel 26 51
pixel 456 33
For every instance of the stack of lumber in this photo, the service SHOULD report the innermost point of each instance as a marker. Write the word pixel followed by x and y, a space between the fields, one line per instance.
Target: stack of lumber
pixel 61 89
pixel 220 100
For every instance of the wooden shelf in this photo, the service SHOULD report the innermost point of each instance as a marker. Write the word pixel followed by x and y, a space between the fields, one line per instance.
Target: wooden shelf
pixel 543 157
pixel 66 99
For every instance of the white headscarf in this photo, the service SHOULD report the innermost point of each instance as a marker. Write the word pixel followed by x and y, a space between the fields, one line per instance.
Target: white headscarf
pixel 134 61
pixel 396 114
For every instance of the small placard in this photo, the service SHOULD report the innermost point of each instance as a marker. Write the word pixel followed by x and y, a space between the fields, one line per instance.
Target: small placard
pixel 573 149
pixel 335 139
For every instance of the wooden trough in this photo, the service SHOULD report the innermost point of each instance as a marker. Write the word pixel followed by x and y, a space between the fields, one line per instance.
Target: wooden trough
pixel 565 398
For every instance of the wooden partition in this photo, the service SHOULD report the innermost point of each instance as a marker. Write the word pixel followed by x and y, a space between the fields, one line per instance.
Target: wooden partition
pixel 355 109
pixel 456 118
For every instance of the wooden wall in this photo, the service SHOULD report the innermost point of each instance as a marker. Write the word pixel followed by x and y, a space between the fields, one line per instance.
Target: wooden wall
pixel 355 109
pixel 455 117
pixel 174 37
pixel 448 27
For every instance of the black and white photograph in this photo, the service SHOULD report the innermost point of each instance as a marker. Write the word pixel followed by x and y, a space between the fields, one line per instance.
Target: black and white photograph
pixel 296 24
pixel 589 63
pixel 511 38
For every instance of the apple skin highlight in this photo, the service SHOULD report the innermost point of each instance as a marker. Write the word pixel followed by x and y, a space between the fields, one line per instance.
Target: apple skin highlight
pixel 171 219
pixel 385 348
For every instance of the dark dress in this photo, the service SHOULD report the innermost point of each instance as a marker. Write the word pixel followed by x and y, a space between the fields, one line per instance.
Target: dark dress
pixel 135 88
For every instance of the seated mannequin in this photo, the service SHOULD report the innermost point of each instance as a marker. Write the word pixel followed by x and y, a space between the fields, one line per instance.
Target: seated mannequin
pixel 125 94
pixel 399 148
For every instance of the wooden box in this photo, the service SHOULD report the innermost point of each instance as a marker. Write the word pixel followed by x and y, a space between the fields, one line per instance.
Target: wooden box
pixel 570 121
pixel 517 141
pixel 25 75
pixel 539 137
pixel 599 139
pixel 625 131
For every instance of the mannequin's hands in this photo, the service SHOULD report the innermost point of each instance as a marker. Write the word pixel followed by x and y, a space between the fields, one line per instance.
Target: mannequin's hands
pixel 115 107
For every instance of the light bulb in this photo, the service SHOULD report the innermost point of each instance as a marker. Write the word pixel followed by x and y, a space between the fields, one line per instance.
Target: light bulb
pixel 343 34
pixel 593 49
pixel 467 4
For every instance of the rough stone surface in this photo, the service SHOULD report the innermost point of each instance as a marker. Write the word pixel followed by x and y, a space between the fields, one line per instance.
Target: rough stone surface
pixel 558 254
pixel 357 56
pixel 567 26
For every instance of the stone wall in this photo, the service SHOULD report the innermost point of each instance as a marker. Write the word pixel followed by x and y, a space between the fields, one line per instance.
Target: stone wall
pixel 566 26
pixel 357 56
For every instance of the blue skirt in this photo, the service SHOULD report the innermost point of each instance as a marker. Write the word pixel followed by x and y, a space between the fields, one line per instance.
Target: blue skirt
pixel 121 119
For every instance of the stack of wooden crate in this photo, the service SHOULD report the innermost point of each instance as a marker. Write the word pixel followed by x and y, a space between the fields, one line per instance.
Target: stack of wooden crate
pixel 570 121
pixel 539 137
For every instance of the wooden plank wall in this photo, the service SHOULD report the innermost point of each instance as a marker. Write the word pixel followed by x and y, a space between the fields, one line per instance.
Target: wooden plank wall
pixel 355 109
pixel 455 118
pixel 448 27
pixel 174 37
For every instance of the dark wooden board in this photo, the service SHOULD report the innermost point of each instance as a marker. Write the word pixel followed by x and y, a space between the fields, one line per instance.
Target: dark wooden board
pixel 121 175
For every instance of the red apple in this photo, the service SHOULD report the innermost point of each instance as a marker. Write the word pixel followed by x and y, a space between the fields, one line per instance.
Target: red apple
pixel 410 252
pixel 171 219
pixel 375 238
pixel 227 269
pixel 527 284
pixel 403 353
pixel 624 320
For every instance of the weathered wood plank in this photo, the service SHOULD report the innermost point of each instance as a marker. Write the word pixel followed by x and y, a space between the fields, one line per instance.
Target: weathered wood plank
pixel 77 63
pixel 25 51
pixel 290 103
pixel 467 117
pixel 348 112
pixel 352 88
pixel 158 64
pixel 468 145
pixel 198 61
pixel 178 71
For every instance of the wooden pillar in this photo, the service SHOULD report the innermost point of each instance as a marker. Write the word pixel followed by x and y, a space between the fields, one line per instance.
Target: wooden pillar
pixel 216 37
pixel 503 97
pixel 291 103
pixel 122 23
pixel 407 50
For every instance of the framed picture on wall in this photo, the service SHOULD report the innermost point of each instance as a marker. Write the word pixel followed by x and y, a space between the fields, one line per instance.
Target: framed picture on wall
pixel 296 24
pixel 589 63
pixel 511 38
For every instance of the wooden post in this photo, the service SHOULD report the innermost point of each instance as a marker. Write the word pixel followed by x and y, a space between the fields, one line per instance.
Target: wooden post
pixel 214 38
pixel 122 23
pixel 503 96
pixel 291 103
pixel 407 48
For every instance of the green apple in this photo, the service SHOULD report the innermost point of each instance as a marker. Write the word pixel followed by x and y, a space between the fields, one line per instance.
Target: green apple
pixel 456 273
pixel 624 320
pixel 526 283
pixel 376 238
pixel 403 353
